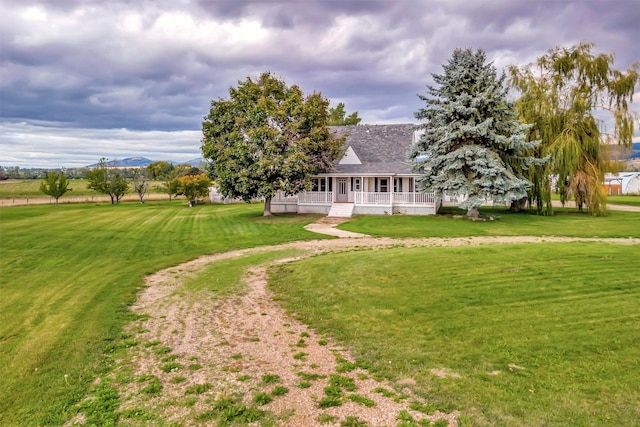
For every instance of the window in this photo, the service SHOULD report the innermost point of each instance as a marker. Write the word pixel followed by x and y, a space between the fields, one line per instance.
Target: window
pixel 384 185
pixel 356 184
pixel 397 185
pixel 319 184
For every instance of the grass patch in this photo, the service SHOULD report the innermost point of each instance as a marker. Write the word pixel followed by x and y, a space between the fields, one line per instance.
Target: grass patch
pixel 225 276
pixel 301 355
pixel 279 391
pixel 137 414
pixel 325 418
pixel 353 421
pixel 171 367
pixel 69 274
pixel 198 388
pixel 362 400
pixel 154 387
pixel 346 383
pixel 262 398
pixel 624 200
pixel 101 408
pixel 229 412
pixel 162 350
pixel 329 402
pixel 510 330
pixel 311 376
pixel 270 379
pixel 178 379
pixel 565 222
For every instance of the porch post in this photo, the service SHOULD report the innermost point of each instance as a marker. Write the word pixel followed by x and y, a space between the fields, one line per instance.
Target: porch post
pixel 391 189
pixel 412 186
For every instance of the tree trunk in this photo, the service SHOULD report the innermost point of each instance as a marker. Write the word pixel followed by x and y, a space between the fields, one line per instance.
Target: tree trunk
pixel 473 212
pixel 267 207
pixel 518 205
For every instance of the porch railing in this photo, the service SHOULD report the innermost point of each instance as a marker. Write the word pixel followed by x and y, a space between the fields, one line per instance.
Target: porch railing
pixel 414 198
pixel 371 198
pixel 361 198
pixel 319 197
pixel 378 198
pixel 280 197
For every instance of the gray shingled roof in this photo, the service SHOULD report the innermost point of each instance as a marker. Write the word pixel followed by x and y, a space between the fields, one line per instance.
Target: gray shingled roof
pixel 382 149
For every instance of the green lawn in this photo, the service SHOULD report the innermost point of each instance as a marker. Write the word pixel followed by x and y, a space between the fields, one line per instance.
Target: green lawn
pixel 539 334
pixel 69 273
pixel 624 200
pixel 565 222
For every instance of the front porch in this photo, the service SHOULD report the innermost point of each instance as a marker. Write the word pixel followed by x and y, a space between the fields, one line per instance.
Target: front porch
pixel 386 199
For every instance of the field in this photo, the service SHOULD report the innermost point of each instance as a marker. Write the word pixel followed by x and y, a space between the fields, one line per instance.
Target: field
pixel 564 312
pixel 69 274
pixel 31 188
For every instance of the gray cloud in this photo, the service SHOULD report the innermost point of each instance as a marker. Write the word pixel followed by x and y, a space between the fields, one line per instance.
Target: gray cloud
pixel 90 67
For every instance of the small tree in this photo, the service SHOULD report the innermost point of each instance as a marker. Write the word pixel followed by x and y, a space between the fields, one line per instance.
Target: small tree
pixel 267 138
pixel 193 187
pixel 55 185
pixel 107 181
pixel 140 184
pixel 473 143
pixel 337 116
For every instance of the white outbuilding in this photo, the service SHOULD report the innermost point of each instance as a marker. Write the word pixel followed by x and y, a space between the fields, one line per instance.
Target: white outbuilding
pixel 623 183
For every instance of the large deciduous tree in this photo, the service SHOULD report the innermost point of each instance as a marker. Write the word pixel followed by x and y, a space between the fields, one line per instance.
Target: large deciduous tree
pixel 567 96
pixel 473 143
pixel 107 181
pixel 267 137
pixel 55 185
pixel 338 116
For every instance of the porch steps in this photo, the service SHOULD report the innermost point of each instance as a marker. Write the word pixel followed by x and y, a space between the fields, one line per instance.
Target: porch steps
pixel 341 210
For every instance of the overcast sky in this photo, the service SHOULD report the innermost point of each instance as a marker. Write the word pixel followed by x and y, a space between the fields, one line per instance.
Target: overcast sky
pixel 85 79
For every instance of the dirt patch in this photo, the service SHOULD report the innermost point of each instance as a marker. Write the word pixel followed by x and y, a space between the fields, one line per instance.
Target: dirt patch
pixel 444 373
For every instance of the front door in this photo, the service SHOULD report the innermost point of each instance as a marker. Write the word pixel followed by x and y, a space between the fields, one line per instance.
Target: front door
pixel 342 195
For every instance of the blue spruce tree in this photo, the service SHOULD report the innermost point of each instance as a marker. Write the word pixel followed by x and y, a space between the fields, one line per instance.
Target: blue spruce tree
pixel 473 143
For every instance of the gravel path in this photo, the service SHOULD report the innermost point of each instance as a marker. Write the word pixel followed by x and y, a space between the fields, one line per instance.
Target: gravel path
pixel 227 345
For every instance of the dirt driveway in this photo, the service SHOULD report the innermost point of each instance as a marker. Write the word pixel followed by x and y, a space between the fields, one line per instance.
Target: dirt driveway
pixel 237 347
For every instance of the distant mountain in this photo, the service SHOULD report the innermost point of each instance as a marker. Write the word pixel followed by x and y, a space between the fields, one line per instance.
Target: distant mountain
pixel 129 162
pixel 635 153
pixel 141 162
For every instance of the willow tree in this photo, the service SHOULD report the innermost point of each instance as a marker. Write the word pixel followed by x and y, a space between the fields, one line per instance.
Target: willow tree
pixel 568 96
pixel 268 137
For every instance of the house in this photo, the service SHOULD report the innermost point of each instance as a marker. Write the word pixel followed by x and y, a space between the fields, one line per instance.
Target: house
pixel 374 177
